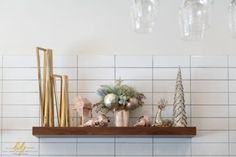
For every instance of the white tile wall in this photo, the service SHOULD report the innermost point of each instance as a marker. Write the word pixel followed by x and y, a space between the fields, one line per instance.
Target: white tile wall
pixel 210 95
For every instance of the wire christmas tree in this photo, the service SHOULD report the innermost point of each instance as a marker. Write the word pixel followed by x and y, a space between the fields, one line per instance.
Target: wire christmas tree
pixel 179 113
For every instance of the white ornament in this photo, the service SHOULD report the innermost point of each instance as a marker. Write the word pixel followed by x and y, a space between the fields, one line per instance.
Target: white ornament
pixel 110 99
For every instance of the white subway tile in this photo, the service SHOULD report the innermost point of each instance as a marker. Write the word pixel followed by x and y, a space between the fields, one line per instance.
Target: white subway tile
pixel 209 61
pixel 232 111
pixel 210 136
pixel 177 149
pixel 20 74
pixel 31 61
pixel 232 86
pixel 65 61
pixel 133 149
pixel 232 149
pixel 232 136
pixel 19 61
pixel 209 86
pixel 171 61
pixel 20 111
pixel 232 73
pixel 172 140
pixel 170 73
pixel 169 97
pixel 19 135
pixel 141 86
pixel 20 98
pixel 210 149
pixel 134 139
pixel 232 123
pixel 0 61
pixel 209 73
pixel 209 111
pixel 19 123
pixel 232 98
pixel 210 98
pixel 210 123
pixel 92 86
pixel 57 140
pixel 134 61
pixel 96 140
pixel 232 61
pixel 95 149
pixel 96 73
pixel 169 86
pixel 134 73
pixel 58 149
pixel 95 61
pixel 20 86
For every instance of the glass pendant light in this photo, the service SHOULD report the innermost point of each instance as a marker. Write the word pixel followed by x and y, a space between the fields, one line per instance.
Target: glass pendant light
pixel 232 17
pixel 194 19
pixel 143 15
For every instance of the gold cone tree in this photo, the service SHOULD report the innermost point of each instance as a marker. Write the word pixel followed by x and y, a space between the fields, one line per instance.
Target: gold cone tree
pixel 179 113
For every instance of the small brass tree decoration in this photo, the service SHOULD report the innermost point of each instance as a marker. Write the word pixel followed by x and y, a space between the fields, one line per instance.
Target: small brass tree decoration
pixel 45 87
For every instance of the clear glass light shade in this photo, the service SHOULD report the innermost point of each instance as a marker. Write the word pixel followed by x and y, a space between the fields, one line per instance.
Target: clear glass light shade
pixel 232 17
pixel 143 14
pixel 194 19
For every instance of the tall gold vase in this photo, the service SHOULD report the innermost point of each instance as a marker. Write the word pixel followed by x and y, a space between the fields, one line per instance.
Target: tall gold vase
pixel 46 87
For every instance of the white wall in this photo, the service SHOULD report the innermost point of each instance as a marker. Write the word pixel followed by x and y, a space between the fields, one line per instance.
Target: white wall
pixel 103 27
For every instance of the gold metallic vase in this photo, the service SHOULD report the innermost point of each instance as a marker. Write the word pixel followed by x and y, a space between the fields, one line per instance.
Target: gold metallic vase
pixel 63 110
pixel 46 87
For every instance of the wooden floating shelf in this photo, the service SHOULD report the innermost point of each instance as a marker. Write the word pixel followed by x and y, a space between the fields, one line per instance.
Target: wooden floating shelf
pixel 114 131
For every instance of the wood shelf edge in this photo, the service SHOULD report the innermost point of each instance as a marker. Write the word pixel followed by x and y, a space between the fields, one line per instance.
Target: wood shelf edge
pixel 57 132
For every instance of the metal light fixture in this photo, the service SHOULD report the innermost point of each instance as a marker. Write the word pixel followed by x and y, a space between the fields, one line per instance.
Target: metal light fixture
pixel 194 19
pixel 232 17
pixel 143 15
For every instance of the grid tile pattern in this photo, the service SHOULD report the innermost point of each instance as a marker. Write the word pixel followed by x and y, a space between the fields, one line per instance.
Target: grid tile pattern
pixel 210 93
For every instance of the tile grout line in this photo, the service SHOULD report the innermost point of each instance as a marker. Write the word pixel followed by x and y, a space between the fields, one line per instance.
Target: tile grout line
pixel 77 91
pixel 153 103
pixel 228 107
pixel 1 106
pixel 114 82
pixel 190 99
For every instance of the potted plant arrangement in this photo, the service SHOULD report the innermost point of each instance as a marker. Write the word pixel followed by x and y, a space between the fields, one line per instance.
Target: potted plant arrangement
pixel 120 99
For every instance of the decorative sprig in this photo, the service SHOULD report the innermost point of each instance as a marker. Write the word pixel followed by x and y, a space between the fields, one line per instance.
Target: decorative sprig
pixel 118 96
